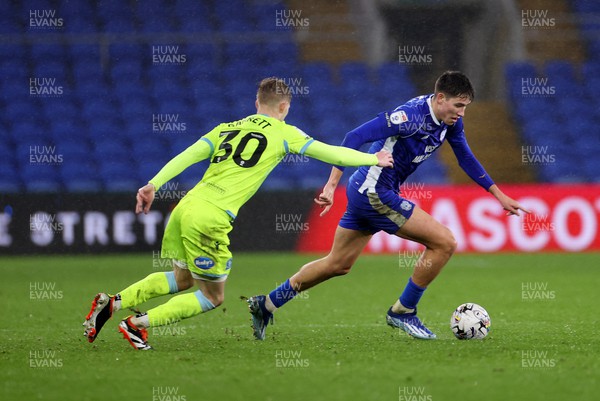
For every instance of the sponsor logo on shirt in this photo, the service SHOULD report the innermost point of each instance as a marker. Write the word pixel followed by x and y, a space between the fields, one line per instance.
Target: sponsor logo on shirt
pixel 204 263
pixel 398 117
pixel 428 152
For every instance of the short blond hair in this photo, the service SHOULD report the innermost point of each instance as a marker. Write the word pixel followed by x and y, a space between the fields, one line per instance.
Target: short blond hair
pixel 272 91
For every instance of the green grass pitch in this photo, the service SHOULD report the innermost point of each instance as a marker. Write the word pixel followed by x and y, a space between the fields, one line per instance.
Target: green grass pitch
pixel 331 343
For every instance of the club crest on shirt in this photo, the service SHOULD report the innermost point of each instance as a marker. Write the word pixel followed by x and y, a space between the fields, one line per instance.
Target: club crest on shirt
pixel 398 117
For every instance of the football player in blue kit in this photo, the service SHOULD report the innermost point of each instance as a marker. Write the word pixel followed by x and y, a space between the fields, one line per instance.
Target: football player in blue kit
pixel 412 132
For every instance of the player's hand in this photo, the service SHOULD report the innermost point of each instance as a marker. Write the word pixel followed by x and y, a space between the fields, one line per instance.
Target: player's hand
pixel 385 158
pixel 511 206
pixel 325 199
pixel 144 197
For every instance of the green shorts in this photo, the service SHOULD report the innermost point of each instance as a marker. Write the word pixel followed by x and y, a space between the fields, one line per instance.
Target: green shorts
pixel 196 238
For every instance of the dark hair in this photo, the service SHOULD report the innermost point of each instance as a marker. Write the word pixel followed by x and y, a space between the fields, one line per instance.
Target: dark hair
pixel 273 90
pixel 454 84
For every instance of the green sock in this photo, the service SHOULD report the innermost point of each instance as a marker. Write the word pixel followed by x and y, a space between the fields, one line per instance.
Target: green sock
pixel 178 308
pixel 154 285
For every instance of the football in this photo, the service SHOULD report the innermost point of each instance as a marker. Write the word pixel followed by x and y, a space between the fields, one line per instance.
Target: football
pixel 470 321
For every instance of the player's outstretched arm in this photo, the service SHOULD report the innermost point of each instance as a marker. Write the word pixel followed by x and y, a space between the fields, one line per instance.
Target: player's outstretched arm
pixel 144 198
pixel 511 206
pixel 343 156
pixel 193 154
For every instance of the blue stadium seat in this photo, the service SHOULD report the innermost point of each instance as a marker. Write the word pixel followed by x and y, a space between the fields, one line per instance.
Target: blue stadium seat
pixel 8 23
pixel 134 105
pixel 52 70
pixel 9 184
pixel 79 174
pixel 250 53
pixel 39 171
pixel 24 132
pixel 86 68
pixel 203 54
pixel 104 128
pixel 152 148
pixel 153 15
pixel 233 15
pixel 66 109
pixel 67 129
pixel 118 24
pixel 85 184
pixel 20 109
pixel 198 23
pixel 13 53
pixel 353 70
pixel 265 16
pixel 392 72
pixel 112 148
pixel 191 9
pixel 522 69
pixel 12 74
pixel 127 70
pixel 177 107
pixel 589 70
pixel 98 110
pixel 46 52
pixel 586 6
pixel 560 69
pixel 211 107
pixel 119 176
pixel 43 185
pixel 281 51
pixel 7 168
pixel 316 71
pixel 591 168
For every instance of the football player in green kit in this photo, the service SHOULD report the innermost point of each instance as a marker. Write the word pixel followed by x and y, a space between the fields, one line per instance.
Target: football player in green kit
pixel 242 155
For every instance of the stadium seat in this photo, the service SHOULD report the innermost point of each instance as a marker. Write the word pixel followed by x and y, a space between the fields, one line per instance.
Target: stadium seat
pixel 19 110
pixel 560 69
pixel 113 89
pixel 30 171
pixel 315 71
pixel 151 14
pixel 28 132
pixel 8 23
pixel 43 185
pixel 7 168
pixel 9 185
pixel 191 9
pixel 119 176
pixel 518 70
pixel 392 72
pixel 353 71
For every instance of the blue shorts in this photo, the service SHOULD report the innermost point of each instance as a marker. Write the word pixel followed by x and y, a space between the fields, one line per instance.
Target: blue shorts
pixel 374 212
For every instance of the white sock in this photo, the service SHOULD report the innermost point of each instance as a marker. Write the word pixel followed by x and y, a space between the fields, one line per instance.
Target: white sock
pixel 269 304
pixel 399 308
pixel 116 306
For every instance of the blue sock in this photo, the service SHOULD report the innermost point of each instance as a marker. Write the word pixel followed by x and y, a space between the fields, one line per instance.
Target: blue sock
pixel 280 295
pixel 411 295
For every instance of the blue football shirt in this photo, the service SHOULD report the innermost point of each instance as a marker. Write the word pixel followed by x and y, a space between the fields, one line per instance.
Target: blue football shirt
pixel 412 133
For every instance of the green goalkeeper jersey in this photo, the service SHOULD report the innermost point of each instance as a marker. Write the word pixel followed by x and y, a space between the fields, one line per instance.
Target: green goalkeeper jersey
pixel 243 153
